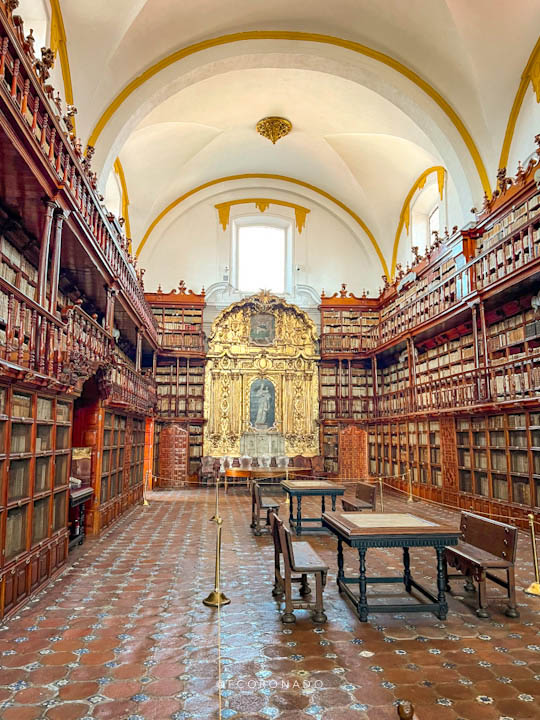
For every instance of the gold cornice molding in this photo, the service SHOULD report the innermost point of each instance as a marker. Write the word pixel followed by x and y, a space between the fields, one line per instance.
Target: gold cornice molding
pixel 119 170
pixel 531 74
pixel 58 43
pixel 262 204
pixel 265 176
pixel 297 36
pixel 405 215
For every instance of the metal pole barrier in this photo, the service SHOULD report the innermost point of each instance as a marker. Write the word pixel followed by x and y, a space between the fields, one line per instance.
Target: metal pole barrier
pixel 381 494
pixel 216 598
pixel 145 485
pixel 410 499
pixel 534 588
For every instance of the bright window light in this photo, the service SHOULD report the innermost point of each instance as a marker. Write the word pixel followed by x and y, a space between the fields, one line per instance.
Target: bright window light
pixel 261 258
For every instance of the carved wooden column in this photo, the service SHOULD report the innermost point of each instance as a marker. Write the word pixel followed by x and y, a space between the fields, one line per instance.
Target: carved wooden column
pixel 375 386
pixel 50 207
pixel 486 351
pixel 60 216
pixel 154 364
pixel 138 352
pixel 109 309
pixel 411 351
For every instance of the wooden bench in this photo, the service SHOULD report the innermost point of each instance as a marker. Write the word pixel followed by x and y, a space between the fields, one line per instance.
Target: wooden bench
pixel 365 498
pixel 485 545
pixel 263 505
pixel 301 560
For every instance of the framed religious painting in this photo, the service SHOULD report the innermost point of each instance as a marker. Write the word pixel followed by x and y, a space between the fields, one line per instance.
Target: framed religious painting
pixel 262 329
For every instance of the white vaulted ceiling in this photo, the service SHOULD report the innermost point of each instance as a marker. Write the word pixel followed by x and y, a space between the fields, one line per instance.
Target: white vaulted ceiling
pixel 431 82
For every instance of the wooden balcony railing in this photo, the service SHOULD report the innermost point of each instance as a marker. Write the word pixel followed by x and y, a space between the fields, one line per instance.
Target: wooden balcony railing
pixel 502 261
pixel 22 82
pixel 132 389
pixel 63 350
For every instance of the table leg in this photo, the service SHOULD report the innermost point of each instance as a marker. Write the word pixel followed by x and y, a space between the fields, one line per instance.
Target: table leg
pixel 407 569
pixel 252 506
pixel 333 503
pixel 291 519
pixel 340 572
pixel 362 607
pixel 299 515
pixel 441 584
pixel 323 504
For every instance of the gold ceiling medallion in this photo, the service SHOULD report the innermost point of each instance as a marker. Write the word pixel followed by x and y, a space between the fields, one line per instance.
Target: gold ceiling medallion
pixel 274 128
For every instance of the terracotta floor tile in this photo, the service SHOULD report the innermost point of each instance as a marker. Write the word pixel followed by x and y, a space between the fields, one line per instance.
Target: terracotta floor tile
pixel 124 632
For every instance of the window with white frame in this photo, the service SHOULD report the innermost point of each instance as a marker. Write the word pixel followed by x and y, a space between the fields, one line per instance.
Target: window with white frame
pixel 434 223
pixel 261 255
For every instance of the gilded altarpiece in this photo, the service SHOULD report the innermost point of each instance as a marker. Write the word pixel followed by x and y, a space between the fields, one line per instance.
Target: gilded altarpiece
pixel 261 376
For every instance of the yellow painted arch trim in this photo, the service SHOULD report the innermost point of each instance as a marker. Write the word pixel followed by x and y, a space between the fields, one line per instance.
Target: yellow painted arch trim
pixel 125 197
pixel 404 216
pixel 264 176
pixel 59 45
pixel 518 102
pixel 300 37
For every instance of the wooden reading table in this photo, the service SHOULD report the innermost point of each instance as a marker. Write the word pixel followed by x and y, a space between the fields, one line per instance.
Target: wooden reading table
pixel 308 488
pixel 404 530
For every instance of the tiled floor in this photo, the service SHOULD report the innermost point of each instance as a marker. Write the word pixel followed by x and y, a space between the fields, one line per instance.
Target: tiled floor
pixel 123 634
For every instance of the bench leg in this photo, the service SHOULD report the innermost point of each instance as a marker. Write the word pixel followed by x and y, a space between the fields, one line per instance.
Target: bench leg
pixel 511 611
pixel 288 615
pixel 340 573
pixel 319 615
pixel 441 584
pixel 277 590
pixel 361 606
pixel 407 569
pixel 304 587
pixel 482 596
pixel 469 585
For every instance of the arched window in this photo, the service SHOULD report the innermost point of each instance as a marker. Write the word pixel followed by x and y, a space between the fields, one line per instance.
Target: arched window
pixel 262 254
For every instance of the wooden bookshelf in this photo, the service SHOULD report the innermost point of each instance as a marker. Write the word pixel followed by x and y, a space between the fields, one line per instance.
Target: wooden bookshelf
pixel 35 458
pixel 346 389
pixel 499 457
pixel 179 317
pixel 180 387
pixel 348 323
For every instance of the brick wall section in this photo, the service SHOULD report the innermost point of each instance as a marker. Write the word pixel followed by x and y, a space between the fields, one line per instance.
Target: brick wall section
pixel 353 453
pixel 173 456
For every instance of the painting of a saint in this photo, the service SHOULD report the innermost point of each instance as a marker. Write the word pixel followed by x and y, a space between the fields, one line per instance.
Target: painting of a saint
pixel 262 329
pixel 262 404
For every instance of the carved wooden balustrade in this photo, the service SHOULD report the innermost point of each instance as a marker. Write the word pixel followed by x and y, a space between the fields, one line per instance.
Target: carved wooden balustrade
pixel 30 337
pixel 131 389
pixel 515 379
pixel 496 264
pixel 89 346
pixel 64 350
pixel 22 81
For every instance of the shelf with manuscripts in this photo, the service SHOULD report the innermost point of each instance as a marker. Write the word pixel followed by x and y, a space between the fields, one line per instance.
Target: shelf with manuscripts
pixel 112 462
pixel 136 469
pixel 448 354
pixel 499 457
pixel 329 447
pixel 524 212
pixel 155 456
pixel 195 447
pixel 180 387
pixel 346 389
pixel 179 316
pixel 394 448
pixel 35 441
pixel 348 323
pixel 513 331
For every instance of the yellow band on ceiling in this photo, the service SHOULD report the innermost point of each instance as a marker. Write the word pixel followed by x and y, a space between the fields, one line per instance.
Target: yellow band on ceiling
pixel 264 176
pixel 299 37
pixel 58 43
pixel 125 197
pixel 262 204
pixel 531 74
pixel 404 217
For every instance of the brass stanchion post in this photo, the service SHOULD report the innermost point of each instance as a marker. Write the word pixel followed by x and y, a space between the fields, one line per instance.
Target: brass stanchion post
pixel 410 499
pixel 534 588
pixel 381 494
pixel 145 485
pixel 216 598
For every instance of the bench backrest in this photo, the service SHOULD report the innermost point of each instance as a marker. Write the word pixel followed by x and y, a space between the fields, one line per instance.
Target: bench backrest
pixel 492 536
pixel 366 493
pixel 282 541
pixel 275 522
